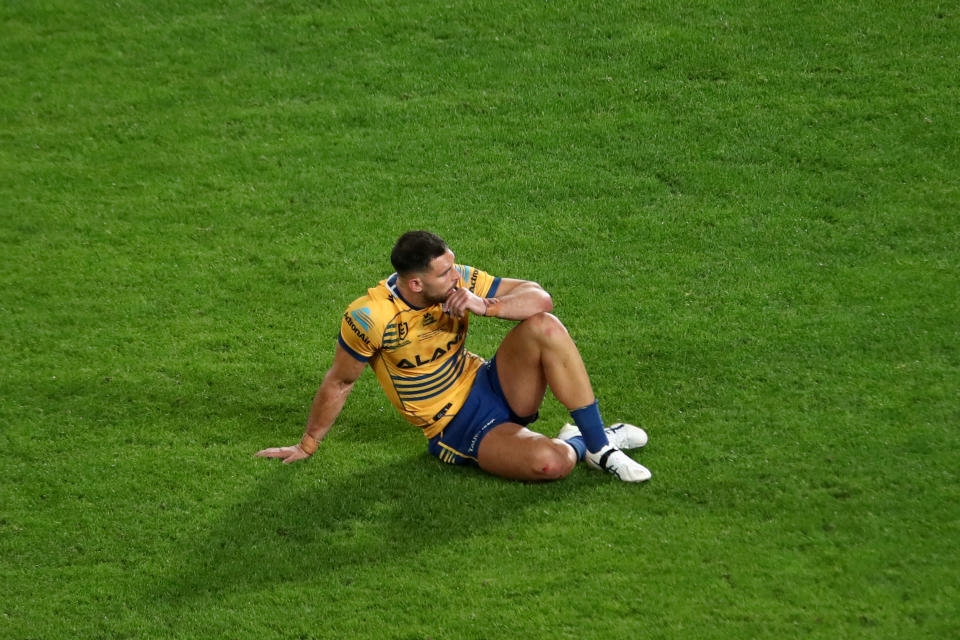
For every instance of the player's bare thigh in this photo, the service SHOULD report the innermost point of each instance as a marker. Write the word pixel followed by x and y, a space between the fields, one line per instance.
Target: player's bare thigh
pixel 537 353
pixel 514 452
pixel 519 366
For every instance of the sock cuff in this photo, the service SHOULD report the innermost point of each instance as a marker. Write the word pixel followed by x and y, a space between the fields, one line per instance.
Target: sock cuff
pixel 591 426
pixel 579 447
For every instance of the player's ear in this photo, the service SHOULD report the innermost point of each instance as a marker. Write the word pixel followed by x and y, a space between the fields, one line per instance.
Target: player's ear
pixel 415 285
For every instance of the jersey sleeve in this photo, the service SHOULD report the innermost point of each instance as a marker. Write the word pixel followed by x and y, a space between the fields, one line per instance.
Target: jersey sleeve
pixel 479 282
pixel 359 333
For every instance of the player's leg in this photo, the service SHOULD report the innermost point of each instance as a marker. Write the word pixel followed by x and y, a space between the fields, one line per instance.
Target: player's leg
pixel 485 431
pixel 514 452
pixel 539 353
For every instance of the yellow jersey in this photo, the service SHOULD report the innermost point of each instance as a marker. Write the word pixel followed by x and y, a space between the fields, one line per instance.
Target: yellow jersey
pixel 418 354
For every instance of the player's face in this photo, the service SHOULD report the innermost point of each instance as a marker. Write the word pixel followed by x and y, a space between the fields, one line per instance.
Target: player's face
pixel 441 279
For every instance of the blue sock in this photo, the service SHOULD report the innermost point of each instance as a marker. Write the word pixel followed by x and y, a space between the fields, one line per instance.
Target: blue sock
pixel 579 446
pixel 591 426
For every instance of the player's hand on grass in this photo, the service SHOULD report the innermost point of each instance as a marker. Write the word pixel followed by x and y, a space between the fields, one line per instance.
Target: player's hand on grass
pixel 288 454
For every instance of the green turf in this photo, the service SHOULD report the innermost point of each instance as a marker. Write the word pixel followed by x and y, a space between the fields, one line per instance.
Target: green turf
pixel 746 214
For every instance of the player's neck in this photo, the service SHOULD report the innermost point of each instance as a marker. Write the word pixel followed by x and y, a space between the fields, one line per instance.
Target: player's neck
pixel 411 297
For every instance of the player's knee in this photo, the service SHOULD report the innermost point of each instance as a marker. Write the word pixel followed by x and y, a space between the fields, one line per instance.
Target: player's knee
pixel 545 326
pixel 552 463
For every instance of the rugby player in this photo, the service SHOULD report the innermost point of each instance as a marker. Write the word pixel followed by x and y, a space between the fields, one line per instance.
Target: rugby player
pixel 411 329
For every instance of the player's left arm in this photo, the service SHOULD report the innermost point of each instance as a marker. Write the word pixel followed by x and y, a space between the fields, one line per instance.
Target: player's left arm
pixel 514 300
pixel 518 300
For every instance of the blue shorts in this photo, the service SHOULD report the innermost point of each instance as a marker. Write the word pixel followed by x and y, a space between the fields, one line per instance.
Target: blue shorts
pixel 485 408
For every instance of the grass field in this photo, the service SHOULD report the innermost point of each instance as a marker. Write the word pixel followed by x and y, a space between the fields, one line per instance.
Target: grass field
pixel 746 214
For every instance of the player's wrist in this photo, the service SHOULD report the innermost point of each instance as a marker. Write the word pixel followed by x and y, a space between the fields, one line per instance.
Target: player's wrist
pixel 493 306
pixel 308 444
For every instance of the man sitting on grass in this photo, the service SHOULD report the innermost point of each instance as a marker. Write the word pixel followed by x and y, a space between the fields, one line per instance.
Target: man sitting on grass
pixel 411 328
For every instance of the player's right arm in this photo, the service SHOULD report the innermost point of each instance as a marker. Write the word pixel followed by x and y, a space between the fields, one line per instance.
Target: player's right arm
pixel 327 405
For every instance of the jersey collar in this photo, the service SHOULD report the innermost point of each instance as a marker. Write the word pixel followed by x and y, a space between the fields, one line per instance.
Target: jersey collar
pixel 395 290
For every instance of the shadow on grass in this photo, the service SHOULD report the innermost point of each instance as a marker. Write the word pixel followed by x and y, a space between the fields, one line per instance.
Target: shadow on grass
pixel 296 524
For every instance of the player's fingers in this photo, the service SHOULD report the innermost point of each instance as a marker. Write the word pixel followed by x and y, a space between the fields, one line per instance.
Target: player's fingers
pixel 272 452
pixel 457 306
pixel 293 457
pixel 467 302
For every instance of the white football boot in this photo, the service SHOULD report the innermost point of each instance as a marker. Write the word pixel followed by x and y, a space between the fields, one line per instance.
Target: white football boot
pixel 610 458
pixel 621 435
pixel 616 462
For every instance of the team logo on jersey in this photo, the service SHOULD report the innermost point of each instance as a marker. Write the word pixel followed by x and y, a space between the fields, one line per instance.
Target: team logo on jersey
pixel 395 336
pixel 428 319
pixel 362 317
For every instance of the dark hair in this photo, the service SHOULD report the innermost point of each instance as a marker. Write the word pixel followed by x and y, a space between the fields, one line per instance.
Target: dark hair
pixel 415 250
